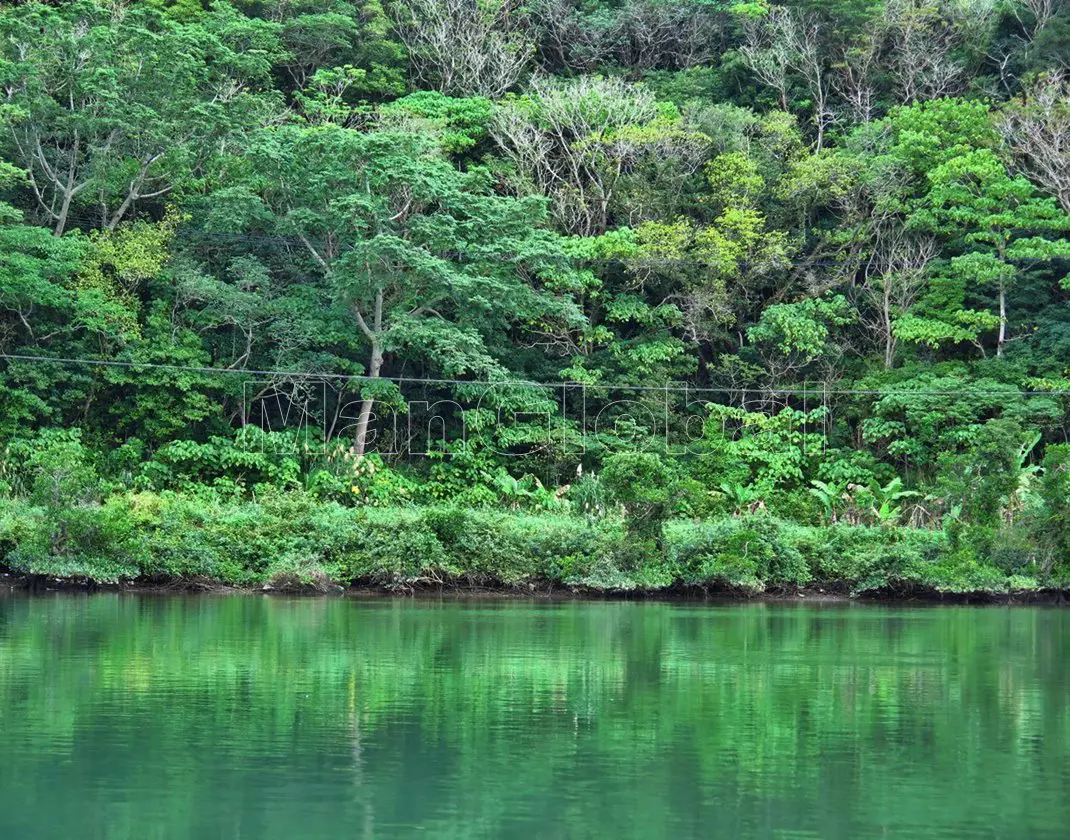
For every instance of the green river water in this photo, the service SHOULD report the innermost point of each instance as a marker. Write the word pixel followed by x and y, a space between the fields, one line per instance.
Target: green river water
pixel 251 717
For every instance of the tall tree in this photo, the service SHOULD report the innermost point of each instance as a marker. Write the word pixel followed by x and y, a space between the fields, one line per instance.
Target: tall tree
pixel 424 258
pixel 1036 129
pixel 461 47
pixel 1003 224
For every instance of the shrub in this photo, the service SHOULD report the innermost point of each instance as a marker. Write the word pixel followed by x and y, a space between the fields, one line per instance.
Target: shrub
pixel 251 459
pixel 588 496
pixel 1055 518
pixel 641 483
pixel 747 552
pixel 53 468
pixel 394 547
pixel 293 540
pixel 92 541
pixel 518 548
pixel 796 505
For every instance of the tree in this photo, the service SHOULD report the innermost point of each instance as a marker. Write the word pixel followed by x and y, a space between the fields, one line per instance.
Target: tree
pixel 784 43
pixel 642 484
pixel 422 257
pixel 1035 15
pixel 108 106
pixel 1001 220
pixel 583 143
pixel 463 47
pixel 919 413
pixel 37 303
pixel 894 277
pixel 923 41
pixel 673 35
pixel 710 271
pixel 1036 129
pixel 752 454
pixel 323 35
pixel 791 336
pixel 35 273
pixel 636 36
pixel 1055 492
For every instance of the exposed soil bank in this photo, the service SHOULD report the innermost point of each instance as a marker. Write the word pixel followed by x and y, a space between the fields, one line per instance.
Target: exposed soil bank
pixel 548 590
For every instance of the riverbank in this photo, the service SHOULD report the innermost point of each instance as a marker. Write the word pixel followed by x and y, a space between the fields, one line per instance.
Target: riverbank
pixel 290 542
pixel 461 590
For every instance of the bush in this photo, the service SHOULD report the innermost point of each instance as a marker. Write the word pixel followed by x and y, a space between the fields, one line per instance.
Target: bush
pixel 293 540
pixel 91 541
pixel 868 557
pixel 394 547
pixel 52 468
pixel 641 483
pixel 796 506
pixel 958 572
pixel 748 553
pixel 588 496
pixel 1055 518
pixel 517 548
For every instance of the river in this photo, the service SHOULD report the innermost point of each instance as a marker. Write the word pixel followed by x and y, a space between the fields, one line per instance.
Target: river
pixel 126 716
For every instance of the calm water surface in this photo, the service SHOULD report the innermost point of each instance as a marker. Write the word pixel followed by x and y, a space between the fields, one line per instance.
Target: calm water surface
pixel 246 717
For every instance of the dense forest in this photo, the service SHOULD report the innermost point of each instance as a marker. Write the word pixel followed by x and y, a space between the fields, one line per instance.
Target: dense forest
pixel 607 293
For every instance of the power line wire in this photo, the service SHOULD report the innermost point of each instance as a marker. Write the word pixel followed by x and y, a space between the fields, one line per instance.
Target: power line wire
pixel 355 377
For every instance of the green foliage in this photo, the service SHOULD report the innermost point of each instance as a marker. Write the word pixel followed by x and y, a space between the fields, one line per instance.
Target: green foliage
pixel 857 504
pixel 288 540
pixel 252 459
pixel 744 553
pixel 589 496
pixel 919 416
pixel 928 135
pixel 762 452
pixel 460 124
pixel 992 480
pixel 798 333
pixel 225 225
pixel 102 98
pixel 642 485
pixel 1054 490
pixel 54 468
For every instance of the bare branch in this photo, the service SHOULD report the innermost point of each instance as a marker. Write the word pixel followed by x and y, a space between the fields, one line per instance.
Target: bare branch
pixel 462 47
pixel 1036 131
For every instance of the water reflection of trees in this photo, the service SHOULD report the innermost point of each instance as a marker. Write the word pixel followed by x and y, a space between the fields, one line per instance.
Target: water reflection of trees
pixel 755 712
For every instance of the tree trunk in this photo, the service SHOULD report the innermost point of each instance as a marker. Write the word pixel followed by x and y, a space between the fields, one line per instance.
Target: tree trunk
pixel 64 212
pixel 889 336
pixel 68 191
pixel 117 216
pixel 1002 339
pixel 374 366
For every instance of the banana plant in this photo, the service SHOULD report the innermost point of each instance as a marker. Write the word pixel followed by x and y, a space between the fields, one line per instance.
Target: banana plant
pixel 743 498
pixel 1024 492
pixel 526 491
pixel 833 497
pixel 887 508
